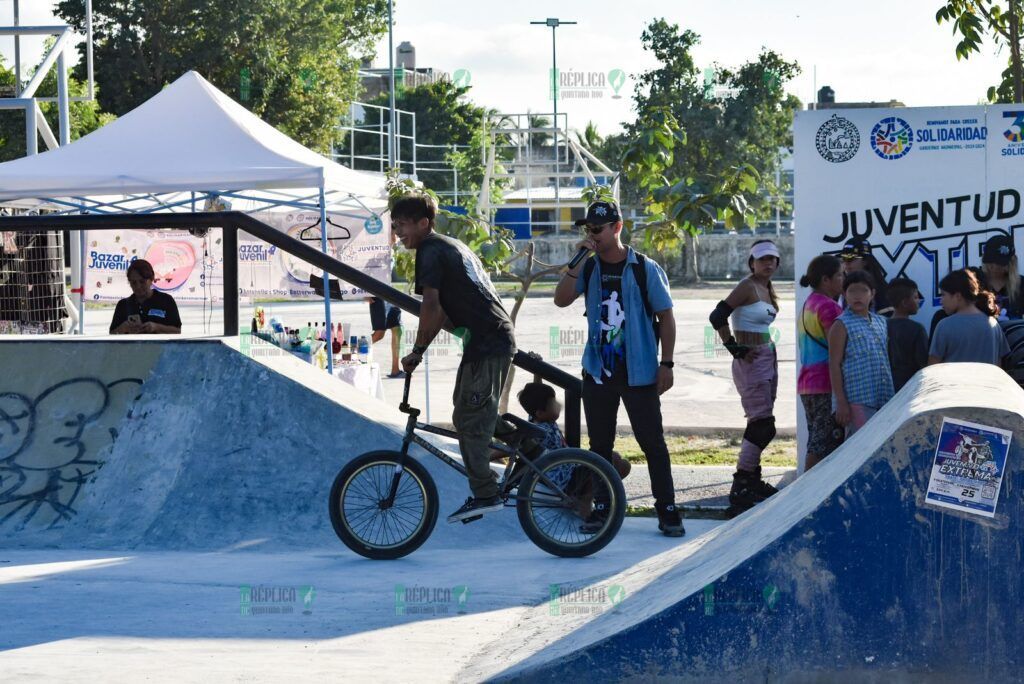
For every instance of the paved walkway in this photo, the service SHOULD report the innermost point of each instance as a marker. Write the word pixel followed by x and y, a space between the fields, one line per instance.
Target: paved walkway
pixel 698 488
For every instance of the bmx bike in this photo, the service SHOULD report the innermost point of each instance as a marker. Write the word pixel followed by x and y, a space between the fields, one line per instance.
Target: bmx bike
pixel 384 504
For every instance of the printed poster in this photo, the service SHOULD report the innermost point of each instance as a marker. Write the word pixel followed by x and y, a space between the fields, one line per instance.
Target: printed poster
pixel 967 473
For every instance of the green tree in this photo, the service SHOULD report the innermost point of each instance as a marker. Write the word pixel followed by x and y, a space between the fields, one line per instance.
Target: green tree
pixel 974 20
pixel 84 117
pixel 696 157
pixel 294 64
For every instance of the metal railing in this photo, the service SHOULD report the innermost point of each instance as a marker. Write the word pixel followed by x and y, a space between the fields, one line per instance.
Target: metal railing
pixel 233 221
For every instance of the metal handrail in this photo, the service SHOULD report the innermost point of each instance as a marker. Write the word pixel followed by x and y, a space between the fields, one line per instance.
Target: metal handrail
pixel 233 221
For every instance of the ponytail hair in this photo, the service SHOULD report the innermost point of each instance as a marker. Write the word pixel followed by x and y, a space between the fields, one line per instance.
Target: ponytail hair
pixel 821 267
pixel 966 284
pixel 771 289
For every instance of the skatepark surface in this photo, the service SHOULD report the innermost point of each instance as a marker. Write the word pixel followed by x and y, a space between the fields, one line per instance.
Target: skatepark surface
pixel 154 491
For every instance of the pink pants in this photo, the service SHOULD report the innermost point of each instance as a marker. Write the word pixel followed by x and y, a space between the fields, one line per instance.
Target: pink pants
pixel 757 380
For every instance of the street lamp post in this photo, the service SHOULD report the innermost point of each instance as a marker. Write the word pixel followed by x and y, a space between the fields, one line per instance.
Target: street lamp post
pixel 391 95
pixel 554 24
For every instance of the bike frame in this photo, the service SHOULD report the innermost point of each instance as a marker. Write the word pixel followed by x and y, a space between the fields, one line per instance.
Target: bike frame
pixel 412 425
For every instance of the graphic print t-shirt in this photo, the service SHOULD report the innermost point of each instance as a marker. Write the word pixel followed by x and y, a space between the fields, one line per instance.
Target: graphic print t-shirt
pixel 467 296
pixel 613 324
pixel 819 313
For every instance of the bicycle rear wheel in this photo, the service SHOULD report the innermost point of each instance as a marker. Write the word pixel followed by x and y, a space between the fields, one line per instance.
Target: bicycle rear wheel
pixel 358 512
pixel 575 506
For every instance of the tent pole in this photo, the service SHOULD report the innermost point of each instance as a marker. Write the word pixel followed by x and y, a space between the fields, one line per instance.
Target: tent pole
pixel 327 282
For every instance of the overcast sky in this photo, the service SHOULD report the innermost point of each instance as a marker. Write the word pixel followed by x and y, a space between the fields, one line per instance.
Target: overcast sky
pixel 866 50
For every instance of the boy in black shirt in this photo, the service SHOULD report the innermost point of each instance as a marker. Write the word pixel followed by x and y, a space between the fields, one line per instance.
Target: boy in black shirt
pixel 455 286
pixel 147 311
pixel 908 340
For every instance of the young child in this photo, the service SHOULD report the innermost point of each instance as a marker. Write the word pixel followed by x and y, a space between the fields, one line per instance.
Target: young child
pixel 970 333
pixel 540 404
pixel 858 359
pixel 908 340
pixel 820 310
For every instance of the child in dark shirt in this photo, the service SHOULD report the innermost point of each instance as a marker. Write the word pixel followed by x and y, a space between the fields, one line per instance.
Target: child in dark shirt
pixel 540 404
pixel 908 340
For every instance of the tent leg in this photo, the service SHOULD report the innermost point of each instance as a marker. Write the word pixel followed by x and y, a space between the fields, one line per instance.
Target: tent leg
pixel 327 283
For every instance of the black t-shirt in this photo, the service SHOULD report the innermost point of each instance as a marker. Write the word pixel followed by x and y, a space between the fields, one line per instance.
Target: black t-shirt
pixel 159 308
pixel 613 323
pixel 467 296
pixel 908 349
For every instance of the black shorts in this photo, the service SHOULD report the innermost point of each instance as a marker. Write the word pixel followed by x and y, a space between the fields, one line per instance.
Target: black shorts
pixel 383 315
pixel 824 435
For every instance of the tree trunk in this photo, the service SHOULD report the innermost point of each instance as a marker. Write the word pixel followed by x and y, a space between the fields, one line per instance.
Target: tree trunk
pixel 691 245
pixel 1015 61
pixel 524 288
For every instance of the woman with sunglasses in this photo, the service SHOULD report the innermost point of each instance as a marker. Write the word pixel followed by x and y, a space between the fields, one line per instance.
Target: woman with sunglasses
pixel 147 311
pixel 752 307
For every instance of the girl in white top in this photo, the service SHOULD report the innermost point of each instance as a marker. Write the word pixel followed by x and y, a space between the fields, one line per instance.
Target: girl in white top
pixel 752 307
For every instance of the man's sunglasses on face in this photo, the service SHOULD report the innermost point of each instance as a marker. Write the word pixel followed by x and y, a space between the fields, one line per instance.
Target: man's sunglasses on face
pixel 595 229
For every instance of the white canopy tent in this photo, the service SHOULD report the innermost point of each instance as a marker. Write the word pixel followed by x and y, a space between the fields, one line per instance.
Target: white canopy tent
pixel 189 138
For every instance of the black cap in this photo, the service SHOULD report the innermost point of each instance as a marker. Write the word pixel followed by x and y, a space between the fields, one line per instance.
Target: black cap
pixel 601 212
pixel 998 250
pixel 857 248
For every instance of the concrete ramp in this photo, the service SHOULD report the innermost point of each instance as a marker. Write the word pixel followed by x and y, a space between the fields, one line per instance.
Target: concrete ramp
pixel 187 444
pixel 846 575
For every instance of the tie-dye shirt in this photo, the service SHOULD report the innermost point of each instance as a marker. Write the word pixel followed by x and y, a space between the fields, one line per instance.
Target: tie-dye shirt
pixel 819 312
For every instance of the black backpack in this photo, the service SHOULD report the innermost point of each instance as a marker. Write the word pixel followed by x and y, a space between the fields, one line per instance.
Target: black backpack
pixel 639 274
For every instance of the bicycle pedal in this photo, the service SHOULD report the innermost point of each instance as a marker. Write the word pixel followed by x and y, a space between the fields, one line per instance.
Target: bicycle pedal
pixel 466 521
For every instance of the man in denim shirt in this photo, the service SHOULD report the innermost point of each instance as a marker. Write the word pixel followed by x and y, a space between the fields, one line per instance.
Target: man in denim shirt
pixel 621 362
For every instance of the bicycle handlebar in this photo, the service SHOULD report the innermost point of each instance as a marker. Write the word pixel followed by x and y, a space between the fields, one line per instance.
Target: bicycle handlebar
pixel 404 406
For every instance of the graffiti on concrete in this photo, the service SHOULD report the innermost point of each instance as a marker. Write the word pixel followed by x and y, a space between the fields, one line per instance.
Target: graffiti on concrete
pixel 50 446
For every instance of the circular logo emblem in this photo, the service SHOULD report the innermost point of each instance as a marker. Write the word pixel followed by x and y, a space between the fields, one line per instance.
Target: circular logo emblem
pixel 373 224
pixel 892 138
pixel 837 140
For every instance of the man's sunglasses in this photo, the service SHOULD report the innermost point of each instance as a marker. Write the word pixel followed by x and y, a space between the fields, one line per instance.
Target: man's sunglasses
pixel 595 229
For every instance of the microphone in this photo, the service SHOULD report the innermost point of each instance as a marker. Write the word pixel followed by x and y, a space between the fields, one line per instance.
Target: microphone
pixel 577 258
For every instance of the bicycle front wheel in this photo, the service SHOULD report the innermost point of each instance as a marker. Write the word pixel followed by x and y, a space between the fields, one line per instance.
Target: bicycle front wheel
pixel 370 525
pixel 575 506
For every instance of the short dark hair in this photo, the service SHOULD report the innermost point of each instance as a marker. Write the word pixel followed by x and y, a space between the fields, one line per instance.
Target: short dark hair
pixel 900 289
pixel 414 207
pixel 862 277
pixel 535 396
pixel 143 268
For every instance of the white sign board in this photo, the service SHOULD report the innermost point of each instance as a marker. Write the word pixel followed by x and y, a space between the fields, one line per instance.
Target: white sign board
pixel 925 187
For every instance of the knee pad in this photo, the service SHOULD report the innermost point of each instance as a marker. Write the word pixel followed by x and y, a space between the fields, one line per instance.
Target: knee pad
pixel 760 432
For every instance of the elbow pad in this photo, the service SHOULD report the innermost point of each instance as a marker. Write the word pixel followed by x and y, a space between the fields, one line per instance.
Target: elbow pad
pixel 720 316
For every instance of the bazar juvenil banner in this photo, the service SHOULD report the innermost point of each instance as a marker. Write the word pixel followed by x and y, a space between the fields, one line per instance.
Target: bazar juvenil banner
pixel 191 268
pixel 924 187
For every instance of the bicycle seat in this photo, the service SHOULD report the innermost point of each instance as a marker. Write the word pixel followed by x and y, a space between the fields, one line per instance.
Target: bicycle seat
pixel 524 429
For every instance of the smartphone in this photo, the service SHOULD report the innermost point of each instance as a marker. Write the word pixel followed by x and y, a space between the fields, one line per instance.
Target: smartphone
pixel 134 318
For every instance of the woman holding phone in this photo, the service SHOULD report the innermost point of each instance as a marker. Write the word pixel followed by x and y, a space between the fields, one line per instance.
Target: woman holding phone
pixel 147 311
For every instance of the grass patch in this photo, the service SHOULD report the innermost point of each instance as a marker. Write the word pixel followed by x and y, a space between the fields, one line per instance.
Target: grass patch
pixel 712 450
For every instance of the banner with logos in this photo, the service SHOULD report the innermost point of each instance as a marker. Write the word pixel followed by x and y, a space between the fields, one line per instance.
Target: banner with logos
pixel 925 187
pixel 191 268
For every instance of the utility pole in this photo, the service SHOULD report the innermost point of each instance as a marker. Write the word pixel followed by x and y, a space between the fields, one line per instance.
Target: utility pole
pixel 554 24
pixel 391 95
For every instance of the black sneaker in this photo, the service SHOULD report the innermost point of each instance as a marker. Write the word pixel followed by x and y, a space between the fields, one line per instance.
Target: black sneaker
pixel 670 522
pixel 476 507
pixel 596 520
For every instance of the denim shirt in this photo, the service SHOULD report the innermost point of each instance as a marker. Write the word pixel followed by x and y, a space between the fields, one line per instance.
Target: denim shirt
pixel 641 347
